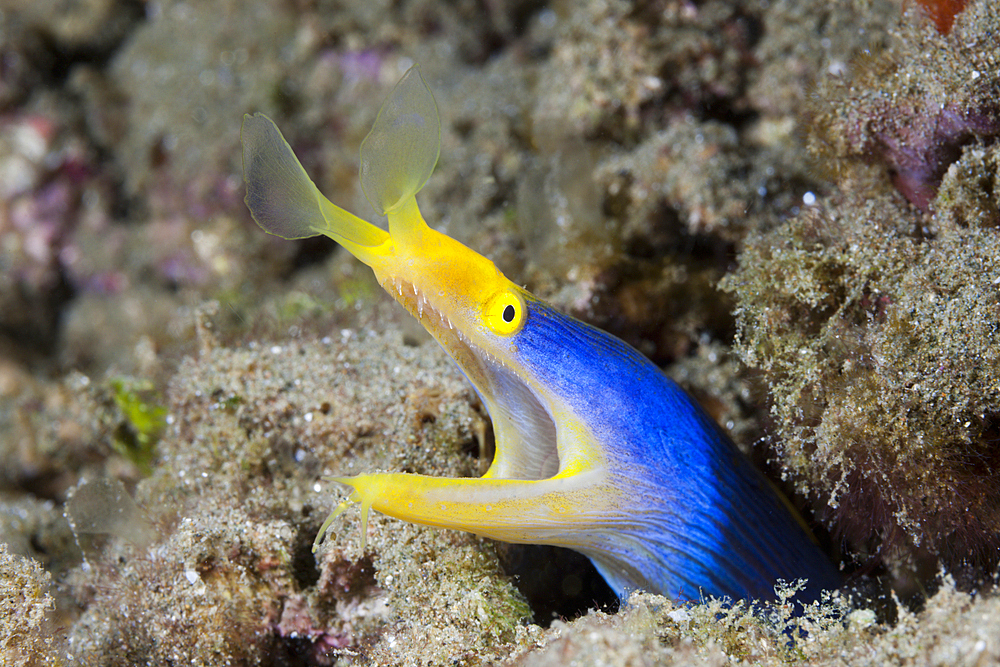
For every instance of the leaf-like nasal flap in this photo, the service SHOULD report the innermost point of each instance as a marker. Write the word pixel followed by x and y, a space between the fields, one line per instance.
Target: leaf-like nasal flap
pixel 399 154
pixel 280 195
pixel 283 199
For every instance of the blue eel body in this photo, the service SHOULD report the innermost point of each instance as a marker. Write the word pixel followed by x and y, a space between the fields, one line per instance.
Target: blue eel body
pixel 704 520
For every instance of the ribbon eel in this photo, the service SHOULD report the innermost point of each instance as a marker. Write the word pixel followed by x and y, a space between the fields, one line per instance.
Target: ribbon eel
pixel 596 449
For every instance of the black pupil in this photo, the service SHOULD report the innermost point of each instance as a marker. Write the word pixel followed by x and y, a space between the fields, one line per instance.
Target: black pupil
pixel 508 314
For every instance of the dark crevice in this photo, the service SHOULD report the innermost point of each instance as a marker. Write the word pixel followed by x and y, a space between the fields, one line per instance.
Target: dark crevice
pixel 558 583
pixel 35 332
pixel 64 57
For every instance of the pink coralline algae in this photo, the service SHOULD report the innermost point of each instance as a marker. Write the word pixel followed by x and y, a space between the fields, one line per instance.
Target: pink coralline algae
pixel 43 173
pixel 915 107
pixel 922 139
pixel 42 176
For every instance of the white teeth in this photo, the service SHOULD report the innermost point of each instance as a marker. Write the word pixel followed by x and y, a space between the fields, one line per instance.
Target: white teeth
pixel 422 303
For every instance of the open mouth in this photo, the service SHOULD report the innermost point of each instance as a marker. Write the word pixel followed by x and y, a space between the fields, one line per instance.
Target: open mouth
pixel 526 438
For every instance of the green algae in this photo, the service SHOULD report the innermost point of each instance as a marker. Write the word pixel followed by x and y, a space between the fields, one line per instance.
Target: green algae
pixel 144 421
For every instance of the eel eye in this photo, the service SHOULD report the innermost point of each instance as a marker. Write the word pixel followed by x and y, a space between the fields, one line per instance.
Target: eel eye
pixel 505 313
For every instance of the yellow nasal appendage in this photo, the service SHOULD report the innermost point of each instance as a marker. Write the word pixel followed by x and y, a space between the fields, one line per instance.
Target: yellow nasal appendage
pixel 397 158
pixel 399 154
pixel 284 200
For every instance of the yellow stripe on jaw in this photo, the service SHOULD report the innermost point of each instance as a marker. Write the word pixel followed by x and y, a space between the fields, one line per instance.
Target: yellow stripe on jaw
pixel 523 511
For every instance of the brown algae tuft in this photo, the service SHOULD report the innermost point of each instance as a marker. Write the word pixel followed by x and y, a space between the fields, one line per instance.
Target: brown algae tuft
pixel 881 350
